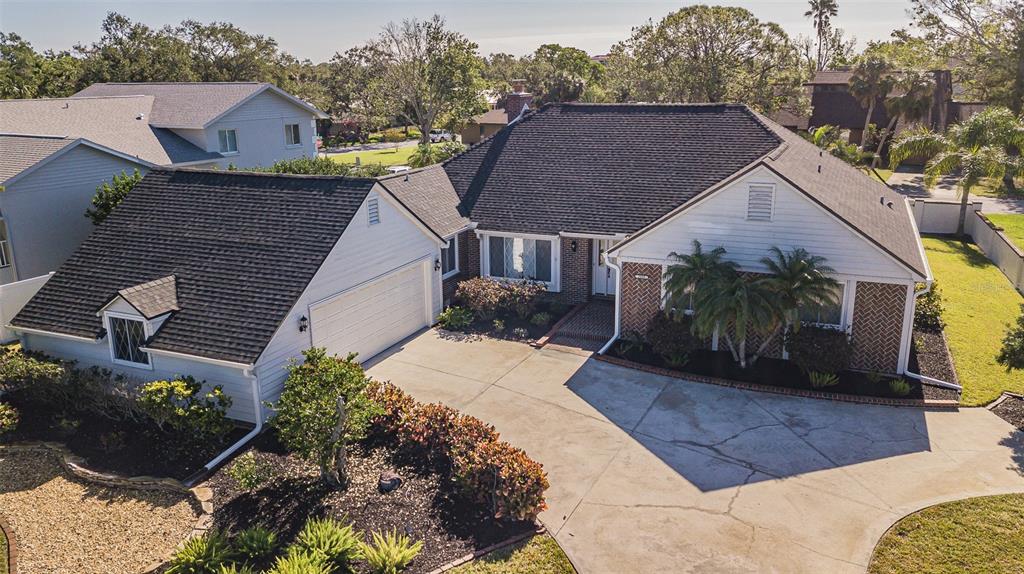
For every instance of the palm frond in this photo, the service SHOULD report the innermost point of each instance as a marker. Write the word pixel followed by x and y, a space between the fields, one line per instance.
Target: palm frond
pixel 921 142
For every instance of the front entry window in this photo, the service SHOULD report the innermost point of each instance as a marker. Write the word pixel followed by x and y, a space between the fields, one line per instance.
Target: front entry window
pixel 520 258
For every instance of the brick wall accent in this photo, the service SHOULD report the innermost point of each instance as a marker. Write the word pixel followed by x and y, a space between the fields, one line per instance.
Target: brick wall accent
pixel 878 326
pixel 577 272
pixel 641 295
pixel 449 285
pixel 472 252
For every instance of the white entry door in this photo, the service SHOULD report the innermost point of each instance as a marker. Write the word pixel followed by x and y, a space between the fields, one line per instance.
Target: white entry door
pixel 371 317
pixel 604 278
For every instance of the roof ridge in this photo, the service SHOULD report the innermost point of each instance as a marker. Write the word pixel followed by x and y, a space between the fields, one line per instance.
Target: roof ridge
pixel 267 174
pixel 176 83
pixel 38 136
pixel 77 98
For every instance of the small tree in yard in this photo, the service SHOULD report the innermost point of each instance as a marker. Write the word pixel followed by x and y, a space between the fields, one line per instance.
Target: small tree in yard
pixel 323 407
pixel 110 195
pixel 1012 354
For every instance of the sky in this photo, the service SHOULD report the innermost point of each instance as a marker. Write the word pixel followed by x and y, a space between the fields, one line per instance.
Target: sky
pixel 318 29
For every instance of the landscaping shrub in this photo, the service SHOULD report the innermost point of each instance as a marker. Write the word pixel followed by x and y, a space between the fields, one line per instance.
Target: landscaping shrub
pixel 179 407
pixel 671 337
pixel 249 472
pixel 498 325
pixel 237 569
pixel 541 319
pixel 521 297
pixel 393 408
pixel 255 544
pixel 430 427
pixel 19 370
pixel 520 333
pixel 819 349
pixel 298 561
pixel 485 297
pixel 201 555
pixel 928 310
pixel 308 420
pixel 8 418
pixel 1011 355
pixel 333 541
pixel 455 319
pixel 822 380
pixel 502 476
pixel 631 344
pixel 899 387
pixel 391 552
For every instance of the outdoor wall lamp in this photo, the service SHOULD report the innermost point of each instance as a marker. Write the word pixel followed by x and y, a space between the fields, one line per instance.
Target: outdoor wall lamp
pixel 437 264
pixel 573 245
pixel 303 324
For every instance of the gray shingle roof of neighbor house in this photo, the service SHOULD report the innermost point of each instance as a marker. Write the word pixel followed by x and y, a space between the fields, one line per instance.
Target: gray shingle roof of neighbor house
pixel 117 123
pixel 241 247
pixel 831 77
pixel 187 104
pixel 495 116
pixel 430 196
pixel 618 168
pixel 20 152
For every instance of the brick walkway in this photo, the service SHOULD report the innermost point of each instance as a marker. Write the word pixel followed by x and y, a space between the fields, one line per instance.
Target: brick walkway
pixel 590 328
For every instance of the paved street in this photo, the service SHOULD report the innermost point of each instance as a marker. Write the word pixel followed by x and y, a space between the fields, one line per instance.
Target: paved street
pixel 911 184
pixel 651 474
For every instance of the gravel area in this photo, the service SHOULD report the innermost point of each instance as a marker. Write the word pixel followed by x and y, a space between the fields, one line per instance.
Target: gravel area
pixel 64 525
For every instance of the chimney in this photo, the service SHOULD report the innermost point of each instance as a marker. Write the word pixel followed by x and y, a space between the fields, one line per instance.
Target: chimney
pixel 517 100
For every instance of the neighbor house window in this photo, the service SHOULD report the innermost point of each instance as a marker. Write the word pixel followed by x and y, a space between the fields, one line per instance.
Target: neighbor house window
pixel 126 336
pixel 450 258
pixel 828 315
pixel 228 141
pixel 5 254
pixel 373 211
pixel 291 135
pixel 520 258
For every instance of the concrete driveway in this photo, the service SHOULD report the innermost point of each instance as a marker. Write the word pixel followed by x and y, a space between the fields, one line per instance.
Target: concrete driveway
pixel 652 474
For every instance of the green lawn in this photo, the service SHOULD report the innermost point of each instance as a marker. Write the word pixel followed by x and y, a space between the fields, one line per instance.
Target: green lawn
pixel 385 157
pixel 990 187
pixel 883 175
pixel 979 303
pixel 1012 224
pixel 538 555
pixel 978 535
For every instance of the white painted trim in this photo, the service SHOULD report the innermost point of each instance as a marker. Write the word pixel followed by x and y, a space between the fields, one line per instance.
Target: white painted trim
pixel 73 145
pixel 571 235
pixel 454 239
pixel 618 305
pixel 197 358
pixel 51 333
pixel 237 147
pixel 906 337
pixel 147 329
pixel 554 286
pixel 393 199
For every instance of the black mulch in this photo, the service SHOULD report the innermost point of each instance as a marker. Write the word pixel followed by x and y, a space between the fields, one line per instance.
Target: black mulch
pixel 777 373
pixel 929 356
pixel 123 447
pixel 425 507
pixel 513 323
pixel 1011 410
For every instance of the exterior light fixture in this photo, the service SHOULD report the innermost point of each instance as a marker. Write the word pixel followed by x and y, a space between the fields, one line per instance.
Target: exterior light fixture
pixel 437 264
pixel 573 245
pixel 303 324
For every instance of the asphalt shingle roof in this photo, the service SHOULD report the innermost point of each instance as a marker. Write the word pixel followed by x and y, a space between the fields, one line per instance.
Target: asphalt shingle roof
pixel 429 194
pixel 603 168
pixel 120 123
pixel 242 248
pixel 20 152
pixel 153 298
pixel 181 104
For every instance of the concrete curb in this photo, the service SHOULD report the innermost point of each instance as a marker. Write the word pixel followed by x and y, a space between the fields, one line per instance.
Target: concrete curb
pixel 1001 398
pixel 803 393
pixel 12 547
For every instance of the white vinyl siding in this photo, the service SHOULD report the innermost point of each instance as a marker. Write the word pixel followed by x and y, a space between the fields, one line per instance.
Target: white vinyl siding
pixel 261 134
pixel 228 140
pixel 760 201
pixel 292 136
pixel 721 221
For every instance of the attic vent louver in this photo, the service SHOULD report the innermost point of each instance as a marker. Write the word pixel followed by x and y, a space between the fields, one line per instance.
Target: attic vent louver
pixel 373 211
pixel 760 202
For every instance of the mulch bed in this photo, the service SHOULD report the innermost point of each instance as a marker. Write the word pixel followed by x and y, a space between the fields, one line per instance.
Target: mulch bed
pixel 513 322
pixel 121 447
pixel 779 373
pixel 425 507
pixel 1011 410
pixel 930 356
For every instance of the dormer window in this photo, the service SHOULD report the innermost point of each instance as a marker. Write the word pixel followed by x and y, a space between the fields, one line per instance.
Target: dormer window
pixel 760 202
pixel 127 336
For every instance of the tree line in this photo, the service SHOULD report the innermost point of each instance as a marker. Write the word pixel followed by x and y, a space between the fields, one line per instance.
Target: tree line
pixel 425 74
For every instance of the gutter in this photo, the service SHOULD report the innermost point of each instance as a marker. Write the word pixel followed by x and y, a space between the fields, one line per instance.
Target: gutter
pixel 209 467
pixel 618 304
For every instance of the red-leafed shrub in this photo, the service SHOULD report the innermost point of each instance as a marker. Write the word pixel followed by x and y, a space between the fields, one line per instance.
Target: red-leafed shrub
pixel 521 297
pixel 483 296
pixel 488 469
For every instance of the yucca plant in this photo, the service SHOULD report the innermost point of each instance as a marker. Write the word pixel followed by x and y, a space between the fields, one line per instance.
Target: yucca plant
pixel 390 552
pixel 255 544
pixel 299 561
pixel 335 541
pixel 204 554
pixel 237 569
pixel 822 380
pixel 899 387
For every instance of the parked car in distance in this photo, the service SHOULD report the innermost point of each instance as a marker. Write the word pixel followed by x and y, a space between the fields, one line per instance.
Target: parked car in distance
pixel 398 168
pixel 437 136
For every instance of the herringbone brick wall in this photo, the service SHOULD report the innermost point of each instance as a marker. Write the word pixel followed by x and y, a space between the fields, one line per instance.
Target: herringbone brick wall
pixel 641 296
pixel 878 326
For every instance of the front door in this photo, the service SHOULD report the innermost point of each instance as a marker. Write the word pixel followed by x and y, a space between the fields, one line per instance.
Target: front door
pixel 604 279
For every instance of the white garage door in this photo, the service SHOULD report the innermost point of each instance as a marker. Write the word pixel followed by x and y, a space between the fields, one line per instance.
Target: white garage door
pixel 372 317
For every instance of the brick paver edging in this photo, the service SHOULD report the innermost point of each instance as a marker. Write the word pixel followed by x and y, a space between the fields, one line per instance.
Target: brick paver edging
pixel 803 393
pixel 493 547
pixel 12 547
pixel 74 465
pixel 539 343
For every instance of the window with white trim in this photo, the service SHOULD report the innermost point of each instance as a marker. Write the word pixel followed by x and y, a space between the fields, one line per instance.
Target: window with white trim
pixel 373 211
pixel 5 254
pixel 228 140
pixel 520 258
pixel 830 315
pixel 292 136
pixel 450 258
pixel 126 338
pixel 760 202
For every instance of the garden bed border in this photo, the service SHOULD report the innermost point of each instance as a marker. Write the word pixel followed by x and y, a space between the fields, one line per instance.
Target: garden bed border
pixel 12 546
pixel 74 465
pixel 537 531
pixel 803 393
pixel 540 343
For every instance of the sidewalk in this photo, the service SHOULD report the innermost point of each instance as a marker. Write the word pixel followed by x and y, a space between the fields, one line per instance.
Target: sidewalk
pixel 911 184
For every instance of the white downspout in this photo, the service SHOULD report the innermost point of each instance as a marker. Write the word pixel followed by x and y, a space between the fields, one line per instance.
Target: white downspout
pixel 618 304
pixel 917 294
pixel 257 405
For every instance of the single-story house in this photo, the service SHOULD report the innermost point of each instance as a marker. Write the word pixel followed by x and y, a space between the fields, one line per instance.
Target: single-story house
pixel 485 125
pixel 226 276
pixel 592 198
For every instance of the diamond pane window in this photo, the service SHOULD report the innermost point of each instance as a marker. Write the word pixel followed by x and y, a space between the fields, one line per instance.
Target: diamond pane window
pixel 126 336
pixel 518 258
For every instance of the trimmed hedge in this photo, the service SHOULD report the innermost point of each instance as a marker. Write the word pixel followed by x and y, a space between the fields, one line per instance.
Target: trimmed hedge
pixel 488 297
pixel 819 349
pixel 490 470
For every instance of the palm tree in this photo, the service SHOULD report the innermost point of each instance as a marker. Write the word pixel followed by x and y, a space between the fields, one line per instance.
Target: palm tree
pixel 970 149
pixel 998 127
pixel 821 14
pixel 733 303
pixel 872 80
pixel 911 104
pixel 683 278
pixel 801 281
